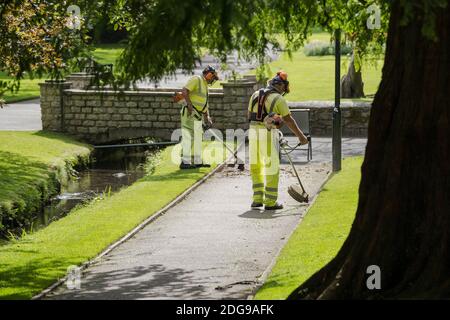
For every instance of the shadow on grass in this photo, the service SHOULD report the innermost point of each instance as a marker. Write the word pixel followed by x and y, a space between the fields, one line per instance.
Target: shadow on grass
pixel 18 172
pixel 19 280
pixel 24 184
pixel 176 175
pixel 272 284
pixel 60 137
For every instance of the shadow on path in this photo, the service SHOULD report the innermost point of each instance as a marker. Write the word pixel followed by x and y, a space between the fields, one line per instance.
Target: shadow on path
pixel 140 282
pixel 269 214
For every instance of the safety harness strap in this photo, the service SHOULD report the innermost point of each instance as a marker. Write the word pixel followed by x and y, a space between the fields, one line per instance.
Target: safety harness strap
pixel 261 104
pixel 272 105
pixel 203 94
pixel 196 113
pixel 260 99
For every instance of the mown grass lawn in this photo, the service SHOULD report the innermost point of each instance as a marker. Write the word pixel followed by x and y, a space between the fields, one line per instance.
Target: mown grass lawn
pixel 319 236
pixel 37 260
pixel 29 88
pixel 108 53
pixel 312 78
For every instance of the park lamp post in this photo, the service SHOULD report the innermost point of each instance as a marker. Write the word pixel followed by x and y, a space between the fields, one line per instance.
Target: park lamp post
pixel 337 128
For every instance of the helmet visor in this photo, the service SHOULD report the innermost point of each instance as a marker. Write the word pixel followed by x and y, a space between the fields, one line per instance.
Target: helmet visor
pixel 287 88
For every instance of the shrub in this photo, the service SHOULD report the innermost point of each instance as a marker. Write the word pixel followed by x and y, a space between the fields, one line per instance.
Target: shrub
pixel 320 48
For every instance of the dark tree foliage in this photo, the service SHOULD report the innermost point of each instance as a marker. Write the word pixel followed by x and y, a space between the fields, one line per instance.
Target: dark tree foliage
pixel 166 35
pixel 35 40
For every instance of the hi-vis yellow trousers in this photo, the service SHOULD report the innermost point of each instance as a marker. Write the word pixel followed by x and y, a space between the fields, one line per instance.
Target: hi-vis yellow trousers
pixel 191 137
pixel 264 163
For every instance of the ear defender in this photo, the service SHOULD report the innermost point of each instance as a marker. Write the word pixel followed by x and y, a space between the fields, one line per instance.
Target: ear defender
pixel 281 77
pixel 209 76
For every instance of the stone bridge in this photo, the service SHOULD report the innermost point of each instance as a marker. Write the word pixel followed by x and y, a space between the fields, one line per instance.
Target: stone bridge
pixel 103 116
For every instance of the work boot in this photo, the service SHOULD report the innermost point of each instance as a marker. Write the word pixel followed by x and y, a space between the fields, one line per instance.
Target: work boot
pixel 203 165
pixel 256 204
pixel 187 166
pixel 276 206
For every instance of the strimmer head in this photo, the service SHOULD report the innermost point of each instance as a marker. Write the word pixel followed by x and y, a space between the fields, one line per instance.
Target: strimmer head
pixel 296 192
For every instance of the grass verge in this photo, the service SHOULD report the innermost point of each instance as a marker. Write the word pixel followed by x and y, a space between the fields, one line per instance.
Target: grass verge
pixel 32 166
pixel 37 260
pixel 319 236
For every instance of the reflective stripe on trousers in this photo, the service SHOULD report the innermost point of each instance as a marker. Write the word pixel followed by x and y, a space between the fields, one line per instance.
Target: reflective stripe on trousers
pixel 264 163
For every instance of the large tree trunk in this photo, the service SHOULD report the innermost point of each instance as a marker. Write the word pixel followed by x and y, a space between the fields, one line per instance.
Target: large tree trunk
pixel 402 221
pixel 352 85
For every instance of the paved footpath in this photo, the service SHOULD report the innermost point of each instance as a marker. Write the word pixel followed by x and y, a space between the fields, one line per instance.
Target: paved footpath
pixel 209 246
pixel 23 116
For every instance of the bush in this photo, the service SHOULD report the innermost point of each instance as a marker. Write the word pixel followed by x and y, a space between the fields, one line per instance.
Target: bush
pixel 320 48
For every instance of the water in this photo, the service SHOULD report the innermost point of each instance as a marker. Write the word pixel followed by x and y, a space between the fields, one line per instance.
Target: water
pixel 111 170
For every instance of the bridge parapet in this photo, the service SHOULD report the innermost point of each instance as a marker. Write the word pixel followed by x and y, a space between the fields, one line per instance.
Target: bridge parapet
pixel 100 116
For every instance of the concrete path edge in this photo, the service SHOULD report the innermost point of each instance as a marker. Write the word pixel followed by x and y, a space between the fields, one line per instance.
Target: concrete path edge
pixel 133 232
pixel 268 270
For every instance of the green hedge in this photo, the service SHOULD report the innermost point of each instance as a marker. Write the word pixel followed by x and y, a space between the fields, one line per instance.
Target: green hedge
pixel 320 48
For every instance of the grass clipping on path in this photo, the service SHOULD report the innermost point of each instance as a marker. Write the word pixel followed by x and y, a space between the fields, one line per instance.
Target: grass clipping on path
pixel 37 260
pixel 319 236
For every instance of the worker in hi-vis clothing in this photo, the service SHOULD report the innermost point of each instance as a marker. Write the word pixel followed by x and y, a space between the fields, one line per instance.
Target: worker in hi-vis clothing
pixel 195 94
pixel 266 108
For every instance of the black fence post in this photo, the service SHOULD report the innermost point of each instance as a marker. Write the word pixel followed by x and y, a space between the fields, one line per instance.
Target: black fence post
pixel 337 128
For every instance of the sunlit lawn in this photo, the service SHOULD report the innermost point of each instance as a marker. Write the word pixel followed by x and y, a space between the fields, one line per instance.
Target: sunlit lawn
pixel 312 78
pixel 29 89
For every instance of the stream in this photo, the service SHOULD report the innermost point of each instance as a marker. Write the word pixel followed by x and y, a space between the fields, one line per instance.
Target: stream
pixel 110 170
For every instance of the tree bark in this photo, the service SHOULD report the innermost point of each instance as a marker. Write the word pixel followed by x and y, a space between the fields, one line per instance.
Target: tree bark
pixel 352 85
pixel 402 221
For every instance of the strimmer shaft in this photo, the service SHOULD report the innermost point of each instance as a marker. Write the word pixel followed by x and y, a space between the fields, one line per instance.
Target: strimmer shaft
pixel 293 167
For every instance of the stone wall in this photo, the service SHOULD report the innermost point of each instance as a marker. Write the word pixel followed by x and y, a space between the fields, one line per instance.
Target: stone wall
pixel 52 105
pixel 355 117
pixel 107 116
